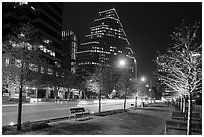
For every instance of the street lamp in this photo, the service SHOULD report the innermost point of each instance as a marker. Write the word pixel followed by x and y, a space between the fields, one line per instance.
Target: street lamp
pixel 143 79
pixel 122 63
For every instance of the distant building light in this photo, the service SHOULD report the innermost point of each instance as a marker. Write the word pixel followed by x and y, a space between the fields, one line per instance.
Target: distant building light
pixel 7 62
pixel 12 123
pixel 23 3
pixel 32 8
pixel 90 42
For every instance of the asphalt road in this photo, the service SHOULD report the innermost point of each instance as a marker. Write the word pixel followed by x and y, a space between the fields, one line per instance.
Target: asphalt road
pixel 43 111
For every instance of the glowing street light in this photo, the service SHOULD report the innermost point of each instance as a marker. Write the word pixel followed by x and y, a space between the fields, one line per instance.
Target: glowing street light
pixel 122 63
pixel 143 79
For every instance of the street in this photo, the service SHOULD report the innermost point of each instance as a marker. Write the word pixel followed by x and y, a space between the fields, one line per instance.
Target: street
pixel 43 111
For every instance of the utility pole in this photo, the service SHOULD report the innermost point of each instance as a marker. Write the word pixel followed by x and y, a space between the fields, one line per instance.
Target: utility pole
pixel 136 83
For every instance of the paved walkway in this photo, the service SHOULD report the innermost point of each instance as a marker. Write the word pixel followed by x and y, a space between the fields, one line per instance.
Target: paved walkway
pixel 141 121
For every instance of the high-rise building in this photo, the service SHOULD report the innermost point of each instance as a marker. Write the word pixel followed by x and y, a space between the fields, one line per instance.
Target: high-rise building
pixel 46 17
pixel 106 44
pixel 69 50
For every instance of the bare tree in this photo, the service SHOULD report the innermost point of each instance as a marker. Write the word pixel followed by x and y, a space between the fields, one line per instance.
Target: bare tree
pixel 71 81
pixel 99 82
pixel 125 86
pixel 55 83
pixel 22 61
pixel 180 67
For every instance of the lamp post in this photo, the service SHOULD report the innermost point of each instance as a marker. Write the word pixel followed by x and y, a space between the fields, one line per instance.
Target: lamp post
pixel 143 79
pixel 136 83
pixel 122 63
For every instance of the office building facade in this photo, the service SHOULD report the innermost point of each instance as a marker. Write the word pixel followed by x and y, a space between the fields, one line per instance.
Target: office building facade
pixel 46 17
pixel 70 46
pixel 106 44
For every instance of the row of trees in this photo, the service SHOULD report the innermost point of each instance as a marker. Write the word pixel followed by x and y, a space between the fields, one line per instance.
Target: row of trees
pixel 110 82
pixel 25 65
pixel 21 56
pixel 180 68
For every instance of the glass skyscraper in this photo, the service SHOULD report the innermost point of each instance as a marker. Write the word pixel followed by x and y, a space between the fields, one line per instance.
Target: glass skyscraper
pixel 106 44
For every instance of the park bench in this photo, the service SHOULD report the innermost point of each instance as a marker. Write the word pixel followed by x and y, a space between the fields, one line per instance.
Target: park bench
pixel 173 126
pixel 184 116
pixel 178 115
pixel 78 112
pixel 195 117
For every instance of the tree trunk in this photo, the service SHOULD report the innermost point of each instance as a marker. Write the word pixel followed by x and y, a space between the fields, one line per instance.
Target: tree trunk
pixel 55 95
pixel 178 103
pixel 84 94
pixel 142 103
pixel 181 106
pixel 184 105
pixel 99 105
pixel 125 100
pixel 19 108
pixel 189 114
pixel 135 101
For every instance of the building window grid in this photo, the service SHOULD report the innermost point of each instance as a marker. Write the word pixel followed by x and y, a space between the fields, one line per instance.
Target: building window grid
pixel 89 63
pixel 113 33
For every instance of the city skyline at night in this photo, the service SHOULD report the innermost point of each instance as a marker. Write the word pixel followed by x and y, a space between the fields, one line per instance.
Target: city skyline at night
pixel 148 25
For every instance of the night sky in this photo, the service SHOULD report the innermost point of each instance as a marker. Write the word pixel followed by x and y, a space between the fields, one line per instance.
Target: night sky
pixel 148 25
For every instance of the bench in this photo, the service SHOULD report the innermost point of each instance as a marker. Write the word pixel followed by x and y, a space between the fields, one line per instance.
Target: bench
pixel 78 112
pixel 184 116
pixel 195 117
pixel 178 115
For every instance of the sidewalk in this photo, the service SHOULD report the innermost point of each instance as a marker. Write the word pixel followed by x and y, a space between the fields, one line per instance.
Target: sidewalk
pixel 142 121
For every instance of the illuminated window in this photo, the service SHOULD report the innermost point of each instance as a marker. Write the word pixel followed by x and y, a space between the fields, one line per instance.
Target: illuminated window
pixel 32 8
pixel 63 74
pixel 52 53
pixel 57 64
pixel 18 63
pixel 44 50
pixel 33 67
pixel 41 47
pixel 22 3
pixel 57 74
pixel 47 41
pixel 48 51
pixel 49 71
pixel 7 62
pixel 42 70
